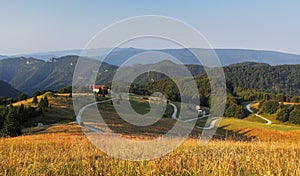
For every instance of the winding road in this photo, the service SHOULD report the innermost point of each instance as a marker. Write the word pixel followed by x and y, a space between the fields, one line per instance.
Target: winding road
pixel 268 122
pixel 78 117
pixel 211 125
pixel 175 111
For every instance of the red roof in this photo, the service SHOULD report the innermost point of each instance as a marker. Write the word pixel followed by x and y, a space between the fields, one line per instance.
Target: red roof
pixel 98 86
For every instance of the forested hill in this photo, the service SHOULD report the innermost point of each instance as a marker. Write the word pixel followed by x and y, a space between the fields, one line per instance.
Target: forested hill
pixel 29 75
pixel 8 91
pixel 283 79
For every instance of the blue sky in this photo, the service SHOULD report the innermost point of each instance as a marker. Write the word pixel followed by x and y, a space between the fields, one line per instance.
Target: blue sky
pixel 34 26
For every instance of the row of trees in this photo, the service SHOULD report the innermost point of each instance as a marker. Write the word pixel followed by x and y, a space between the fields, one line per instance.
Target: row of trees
pixel 253 95
pixel 289 113
pixel 6 101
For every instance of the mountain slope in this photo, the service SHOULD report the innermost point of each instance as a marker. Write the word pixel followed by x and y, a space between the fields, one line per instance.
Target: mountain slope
pixel 8 91
pixel 30 75
pixel 17 71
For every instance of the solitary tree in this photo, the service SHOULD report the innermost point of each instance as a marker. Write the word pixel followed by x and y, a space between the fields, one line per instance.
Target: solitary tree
pixel 22 97
pixel 35 100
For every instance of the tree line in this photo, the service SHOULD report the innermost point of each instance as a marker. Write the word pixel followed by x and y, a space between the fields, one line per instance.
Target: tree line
pixel 11 118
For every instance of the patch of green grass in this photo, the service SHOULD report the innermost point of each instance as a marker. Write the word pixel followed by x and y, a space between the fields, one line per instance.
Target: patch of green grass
pixel 271 117
pixel 141 106
pixel 237 124
pixel 253 118
pixel 201 122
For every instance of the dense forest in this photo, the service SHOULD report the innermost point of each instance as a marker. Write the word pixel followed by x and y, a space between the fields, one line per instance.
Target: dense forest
pixel 282 79
pixel 250 80
pixel 237 93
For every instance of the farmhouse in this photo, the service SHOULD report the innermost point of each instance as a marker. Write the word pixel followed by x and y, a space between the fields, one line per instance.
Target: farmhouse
pixel 96 88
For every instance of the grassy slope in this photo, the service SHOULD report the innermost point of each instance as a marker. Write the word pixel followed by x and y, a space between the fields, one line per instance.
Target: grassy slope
pixel 62 149
pixel 253 118
pixel 261 131
pixel 60 112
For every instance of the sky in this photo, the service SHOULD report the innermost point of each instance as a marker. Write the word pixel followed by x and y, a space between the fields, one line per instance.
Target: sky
pixel 37 26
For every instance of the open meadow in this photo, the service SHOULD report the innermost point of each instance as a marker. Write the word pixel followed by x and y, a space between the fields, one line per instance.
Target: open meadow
pixel 64 150
pixel 240 147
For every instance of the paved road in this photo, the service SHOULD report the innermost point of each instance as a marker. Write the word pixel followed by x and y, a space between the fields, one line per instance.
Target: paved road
pixel 78 117
pixel 257 115
pixel 175 111
pixel 211 125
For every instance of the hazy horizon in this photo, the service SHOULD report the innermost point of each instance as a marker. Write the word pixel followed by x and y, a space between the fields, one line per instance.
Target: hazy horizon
pixel 32 26
pixel 171 48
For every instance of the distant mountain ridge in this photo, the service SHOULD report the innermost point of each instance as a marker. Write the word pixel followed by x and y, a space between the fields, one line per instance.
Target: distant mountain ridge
pixel 226 56
pixel 2 57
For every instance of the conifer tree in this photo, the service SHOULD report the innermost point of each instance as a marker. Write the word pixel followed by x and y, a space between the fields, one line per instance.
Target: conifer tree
pixel 11 126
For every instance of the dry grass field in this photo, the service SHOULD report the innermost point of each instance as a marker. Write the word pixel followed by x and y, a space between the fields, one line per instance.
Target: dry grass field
pixel 240 147
pixel 64 150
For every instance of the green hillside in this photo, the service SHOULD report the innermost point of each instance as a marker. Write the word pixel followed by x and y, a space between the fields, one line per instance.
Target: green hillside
pixel 29 75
